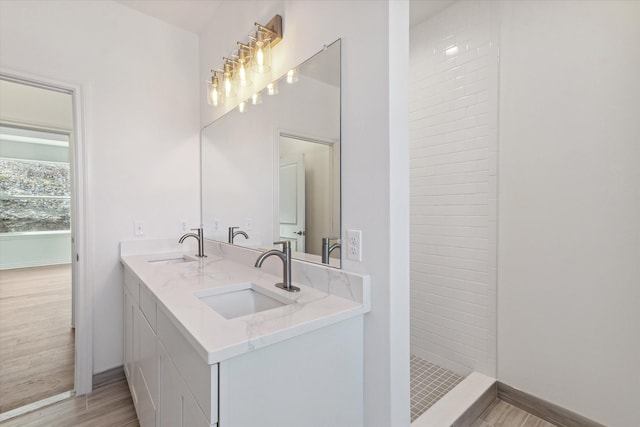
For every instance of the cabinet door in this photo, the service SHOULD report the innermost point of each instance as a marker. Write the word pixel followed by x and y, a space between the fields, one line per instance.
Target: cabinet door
pixel 170 402
pixel 130 342
pixel 177 406
pixel 146 377
pixel 192 415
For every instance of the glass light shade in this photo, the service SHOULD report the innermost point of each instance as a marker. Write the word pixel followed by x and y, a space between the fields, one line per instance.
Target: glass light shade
pixel 261 52
pixel 256 98
pixel 214 94
pixel 228 86
pixel 272 88
pixel 243 74
pixel 292 76
pixel 242 70
pixel 242 106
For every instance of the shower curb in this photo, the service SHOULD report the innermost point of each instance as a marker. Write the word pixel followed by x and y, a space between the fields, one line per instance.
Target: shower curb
pixel 458 407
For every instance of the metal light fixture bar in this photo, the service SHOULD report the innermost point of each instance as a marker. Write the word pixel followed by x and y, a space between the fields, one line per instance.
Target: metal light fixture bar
pixel 274 26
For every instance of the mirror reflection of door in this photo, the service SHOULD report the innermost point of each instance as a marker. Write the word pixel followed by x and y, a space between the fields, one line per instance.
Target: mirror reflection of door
pixel 37 338
pixel 320 203
pixel 292 201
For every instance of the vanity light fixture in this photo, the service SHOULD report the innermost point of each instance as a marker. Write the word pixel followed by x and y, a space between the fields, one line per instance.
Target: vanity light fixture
pixel 235 79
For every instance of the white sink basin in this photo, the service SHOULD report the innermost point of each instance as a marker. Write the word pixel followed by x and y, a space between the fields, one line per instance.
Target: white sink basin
pixel 172 259
pixel 240 300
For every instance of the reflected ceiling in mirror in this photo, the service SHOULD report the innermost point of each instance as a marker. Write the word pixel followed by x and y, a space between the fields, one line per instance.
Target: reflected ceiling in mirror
pixel 273 170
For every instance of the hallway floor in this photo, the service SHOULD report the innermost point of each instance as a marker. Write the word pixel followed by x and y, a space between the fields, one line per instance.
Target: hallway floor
pixel 36 338
pixel 108 406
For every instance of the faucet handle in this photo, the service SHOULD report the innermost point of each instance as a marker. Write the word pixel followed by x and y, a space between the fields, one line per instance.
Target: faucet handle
pixel 328 239
pixel 286 245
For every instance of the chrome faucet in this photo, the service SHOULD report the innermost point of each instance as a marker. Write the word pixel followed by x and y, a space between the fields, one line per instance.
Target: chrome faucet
pixel 327 248
pixel 199 237
pixel 233 234
pixel 285 256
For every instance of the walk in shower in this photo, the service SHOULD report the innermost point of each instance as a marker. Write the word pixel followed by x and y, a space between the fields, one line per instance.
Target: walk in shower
pixel 453 150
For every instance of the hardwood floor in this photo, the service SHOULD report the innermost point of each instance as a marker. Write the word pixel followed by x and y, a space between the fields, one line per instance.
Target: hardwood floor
pixel 502 414
pixel 107 406
pixel 36 338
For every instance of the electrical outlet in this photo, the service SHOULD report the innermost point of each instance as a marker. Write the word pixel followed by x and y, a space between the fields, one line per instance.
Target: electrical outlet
pixel 216 224
pixel 354 245
pixel 248 224
pixel 183 225
pixel 138 228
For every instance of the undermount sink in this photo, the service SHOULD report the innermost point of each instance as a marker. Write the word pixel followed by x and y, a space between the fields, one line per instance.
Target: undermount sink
pixel 239 300
pixel 172 259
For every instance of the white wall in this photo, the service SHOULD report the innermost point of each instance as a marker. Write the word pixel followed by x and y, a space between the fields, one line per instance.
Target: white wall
pixel 569 210
pixel 373 148
pixel 35 249
pixel 453 150
pixel 140 82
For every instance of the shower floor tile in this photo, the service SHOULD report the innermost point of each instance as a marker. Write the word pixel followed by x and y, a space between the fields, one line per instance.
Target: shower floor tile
pixel 429 383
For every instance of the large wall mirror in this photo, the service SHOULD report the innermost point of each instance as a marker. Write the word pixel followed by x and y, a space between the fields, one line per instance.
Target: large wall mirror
pixel 273 170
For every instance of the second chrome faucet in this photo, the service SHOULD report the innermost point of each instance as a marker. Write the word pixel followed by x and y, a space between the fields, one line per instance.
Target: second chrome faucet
pixel 233 234
pixel 285 257
pixel 199 237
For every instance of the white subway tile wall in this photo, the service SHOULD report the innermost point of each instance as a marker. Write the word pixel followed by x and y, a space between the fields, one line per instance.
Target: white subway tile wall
pixel 453 148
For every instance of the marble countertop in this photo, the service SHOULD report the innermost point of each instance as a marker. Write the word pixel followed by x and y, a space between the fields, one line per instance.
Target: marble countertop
pixel 327 296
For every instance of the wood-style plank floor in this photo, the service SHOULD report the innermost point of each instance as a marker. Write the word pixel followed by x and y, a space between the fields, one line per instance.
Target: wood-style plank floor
pixel 107 406
pixel 36 338
pixel 502 414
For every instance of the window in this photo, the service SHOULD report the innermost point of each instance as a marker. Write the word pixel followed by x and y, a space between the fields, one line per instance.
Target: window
pixel 35 187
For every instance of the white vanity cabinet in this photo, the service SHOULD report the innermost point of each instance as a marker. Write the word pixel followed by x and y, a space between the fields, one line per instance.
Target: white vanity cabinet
pixel 189 367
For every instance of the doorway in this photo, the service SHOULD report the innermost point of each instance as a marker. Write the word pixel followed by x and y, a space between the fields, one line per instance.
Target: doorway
pixel 38 251
pixel 309 193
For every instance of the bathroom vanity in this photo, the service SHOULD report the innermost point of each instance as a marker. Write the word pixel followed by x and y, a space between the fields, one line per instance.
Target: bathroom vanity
pixel 212 342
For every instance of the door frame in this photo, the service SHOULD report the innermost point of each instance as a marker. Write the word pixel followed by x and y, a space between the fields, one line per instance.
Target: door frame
pixel 80 230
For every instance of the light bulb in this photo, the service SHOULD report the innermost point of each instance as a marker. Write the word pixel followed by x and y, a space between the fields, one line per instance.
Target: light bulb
pixel 243 74
pixel 242 106
pixel 260 57
pixel 261 48
pixel 256 98
pixel 227 85
pixel 215 95
pixel 228 88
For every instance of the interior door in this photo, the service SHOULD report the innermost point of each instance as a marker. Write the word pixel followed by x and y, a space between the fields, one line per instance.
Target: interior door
pixel 292 201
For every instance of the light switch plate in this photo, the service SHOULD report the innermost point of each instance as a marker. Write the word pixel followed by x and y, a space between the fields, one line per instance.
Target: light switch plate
pixel 138 228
